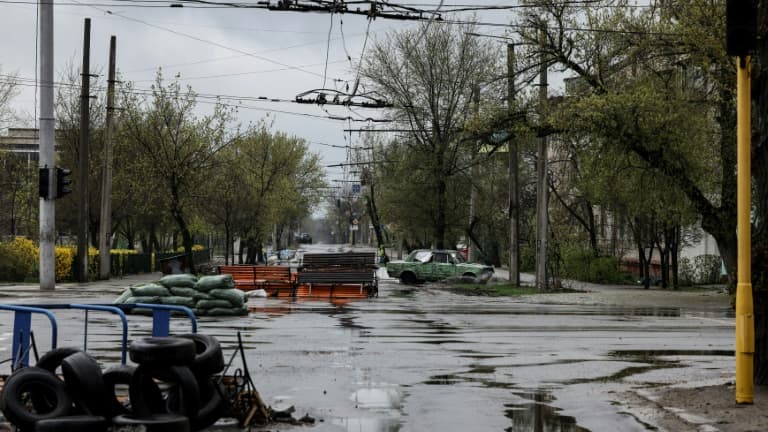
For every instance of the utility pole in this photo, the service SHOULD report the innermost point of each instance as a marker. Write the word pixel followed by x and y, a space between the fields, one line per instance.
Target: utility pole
pixel 82 213
pixel 472 191
pixel 47 155
pixel 541 168
pixel 105 218
pixel 741 42
pixel 514 197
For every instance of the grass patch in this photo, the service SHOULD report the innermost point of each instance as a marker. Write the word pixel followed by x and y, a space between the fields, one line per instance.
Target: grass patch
pixel 493 290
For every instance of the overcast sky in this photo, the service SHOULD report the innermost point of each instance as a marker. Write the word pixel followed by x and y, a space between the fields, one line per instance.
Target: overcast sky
pixel 206 47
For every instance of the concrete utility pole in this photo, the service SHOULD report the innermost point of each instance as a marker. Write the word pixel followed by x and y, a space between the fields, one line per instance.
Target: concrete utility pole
pixel 105 218
pixel 542 186
pixel 82 214
pixel 47 155
pixel 514 197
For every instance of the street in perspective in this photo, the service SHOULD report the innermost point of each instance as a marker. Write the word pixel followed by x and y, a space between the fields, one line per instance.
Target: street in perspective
pixel 422 357
pixel 383 216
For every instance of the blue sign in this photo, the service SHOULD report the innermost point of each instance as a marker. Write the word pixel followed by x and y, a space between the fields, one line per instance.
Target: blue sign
pixel 356 188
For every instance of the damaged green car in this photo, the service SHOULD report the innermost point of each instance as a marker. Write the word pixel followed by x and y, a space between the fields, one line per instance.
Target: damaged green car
pixel 433 265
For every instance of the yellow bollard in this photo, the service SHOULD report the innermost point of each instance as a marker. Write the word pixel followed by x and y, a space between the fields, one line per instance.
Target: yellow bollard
pixel 745 320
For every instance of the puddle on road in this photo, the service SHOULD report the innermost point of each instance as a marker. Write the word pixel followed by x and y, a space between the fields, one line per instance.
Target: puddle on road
pixel 538 415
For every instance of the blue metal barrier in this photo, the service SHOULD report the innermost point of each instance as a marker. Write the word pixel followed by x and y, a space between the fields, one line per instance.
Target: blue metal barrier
pixel 22 324
pixel 22 329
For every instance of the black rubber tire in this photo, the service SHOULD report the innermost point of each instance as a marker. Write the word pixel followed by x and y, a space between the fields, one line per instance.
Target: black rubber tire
pixel 209 358
pixel 213 405
pixel 155 423
pixel 84 382
pixel 117 375
pixel 38 383
pixel 80 423
pixel 51 360
pixel 142 384
pixel 163 351
pixel 408 278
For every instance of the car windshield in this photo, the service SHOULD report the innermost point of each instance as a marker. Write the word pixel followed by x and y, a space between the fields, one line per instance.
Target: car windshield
pixel 420 256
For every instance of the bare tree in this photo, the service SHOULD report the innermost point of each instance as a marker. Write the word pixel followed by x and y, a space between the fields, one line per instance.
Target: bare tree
pixel 428 73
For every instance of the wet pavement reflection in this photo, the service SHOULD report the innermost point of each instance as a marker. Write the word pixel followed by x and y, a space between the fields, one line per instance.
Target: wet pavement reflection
pixel 424 359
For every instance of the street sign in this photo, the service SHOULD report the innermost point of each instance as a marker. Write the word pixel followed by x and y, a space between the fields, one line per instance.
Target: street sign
pixel 356 188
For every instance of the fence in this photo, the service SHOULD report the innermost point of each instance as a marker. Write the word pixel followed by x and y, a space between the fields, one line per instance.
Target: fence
pixel 125 264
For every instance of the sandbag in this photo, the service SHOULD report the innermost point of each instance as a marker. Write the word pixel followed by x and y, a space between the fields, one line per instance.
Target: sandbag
pixel 183 291
pixel 178 301
pixel 143 299
pixel 227 311
pixel 214 303
pixel 179 280
pixel 207 283
pixel 235 297
pixel 150 290
pixel 124 296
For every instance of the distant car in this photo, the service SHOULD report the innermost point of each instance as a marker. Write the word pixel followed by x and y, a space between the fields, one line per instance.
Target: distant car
pixel 304 238
pixel 433 265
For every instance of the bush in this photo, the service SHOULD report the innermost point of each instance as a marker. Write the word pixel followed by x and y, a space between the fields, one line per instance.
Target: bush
pixel 527 258
pixel 14 266
pixel 581 264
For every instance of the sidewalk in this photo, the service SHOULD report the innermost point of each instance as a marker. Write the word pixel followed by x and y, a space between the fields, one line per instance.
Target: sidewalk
pixel 32 291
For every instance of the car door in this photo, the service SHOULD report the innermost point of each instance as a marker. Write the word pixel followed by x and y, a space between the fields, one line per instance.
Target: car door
pixel 442 266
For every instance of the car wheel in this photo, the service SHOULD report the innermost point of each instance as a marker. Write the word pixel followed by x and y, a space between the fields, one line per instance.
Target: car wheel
pixel 408 278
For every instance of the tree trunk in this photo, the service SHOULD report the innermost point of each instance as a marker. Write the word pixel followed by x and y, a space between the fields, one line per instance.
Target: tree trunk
pixel 375 217
pixel 440 217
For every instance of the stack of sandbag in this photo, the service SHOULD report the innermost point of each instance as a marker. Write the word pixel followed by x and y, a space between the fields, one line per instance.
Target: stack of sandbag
pixel 209 295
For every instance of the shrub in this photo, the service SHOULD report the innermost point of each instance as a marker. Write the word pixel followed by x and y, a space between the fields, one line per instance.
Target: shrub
pixel 527 258
pixel 64 258
pixel 581 264
pixel 14 266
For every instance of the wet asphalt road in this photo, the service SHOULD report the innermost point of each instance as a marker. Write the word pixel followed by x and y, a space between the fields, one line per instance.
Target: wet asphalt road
pixel 424 359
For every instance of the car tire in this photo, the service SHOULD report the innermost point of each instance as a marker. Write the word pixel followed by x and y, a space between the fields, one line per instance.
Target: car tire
pixel 408 278
pixel 155 423
pixel 181 380
pixel 51 360
pixel 35 383
pixel 84 382
pixel 80 423
pixel 209 358
pixel 163 351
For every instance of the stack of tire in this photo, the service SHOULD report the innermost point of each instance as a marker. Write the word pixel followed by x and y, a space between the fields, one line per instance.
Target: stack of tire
pixel 171 390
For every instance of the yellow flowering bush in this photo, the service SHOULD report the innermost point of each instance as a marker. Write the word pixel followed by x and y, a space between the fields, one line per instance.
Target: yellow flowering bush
pixel 26 248
pixel 195 248
pixel 64 256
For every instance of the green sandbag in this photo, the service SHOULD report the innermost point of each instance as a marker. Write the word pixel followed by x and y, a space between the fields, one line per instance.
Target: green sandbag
pixel 227 311
pixel 183 291
pixel 179 280
pixel 150 290
pixel 124 296
pixel 190 292
pixel 210 304
pixel 144 299
pixel 178 301
pixel 235 297
pixel 207 283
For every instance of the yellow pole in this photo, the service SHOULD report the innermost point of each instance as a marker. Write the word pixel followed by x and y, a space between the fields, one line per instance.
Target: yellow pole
pixel 745 320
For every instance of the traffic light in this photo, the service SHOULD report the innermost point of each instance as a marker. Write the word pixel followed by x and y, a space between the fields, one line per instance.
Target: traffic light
pixel 45 183
pixel 740 27
pixel 62 181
